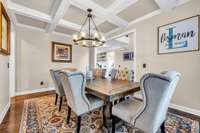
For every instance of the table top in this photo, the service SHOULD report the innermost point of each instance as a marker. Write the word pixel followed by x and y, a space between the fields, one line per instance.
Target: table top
pixel 110 90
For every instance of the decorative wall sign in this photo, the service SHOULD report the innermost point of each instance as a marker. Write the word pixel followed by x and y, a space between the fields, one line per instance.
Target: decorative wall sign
pixel 180 36
pixel 61 52
pixel 4 31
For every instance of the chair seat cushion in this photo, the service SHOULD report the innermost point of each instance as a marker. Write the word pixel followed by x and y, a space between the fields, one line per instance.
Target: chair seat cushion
pixel 127 110
pixel 95 102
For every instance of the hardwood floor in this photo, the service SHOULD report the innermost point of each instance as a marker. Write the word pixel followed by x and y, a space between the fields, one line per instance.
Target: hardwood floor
pixel 12 120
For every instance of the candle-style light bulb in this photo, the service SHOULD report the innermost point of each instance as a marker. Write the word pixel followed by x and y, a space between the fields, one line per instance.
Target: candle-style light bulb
pixel 103 38
pixel 96 35
pixel 93 43
pixel 83 35
pixel 75 37
pixel 84 42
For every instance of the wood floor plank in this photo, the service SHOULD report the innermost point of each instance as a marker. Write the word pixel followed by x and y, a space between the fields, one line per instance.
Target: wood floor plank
pixel 12 120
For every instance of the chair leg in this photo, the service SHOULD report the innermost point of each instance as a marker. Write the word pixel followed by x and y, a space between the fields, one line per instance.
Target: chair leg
pixel 122 99
pixel 162 127
pixel 65 99
pixel 68 115
pixel 104 117
pixel 56 99
pixel 78 124
pixel 113 124
pixel 60 104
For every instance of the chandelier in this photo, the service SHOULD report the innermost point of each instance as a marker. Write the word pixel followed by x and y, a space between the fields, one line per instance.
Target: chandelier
pixel 92 38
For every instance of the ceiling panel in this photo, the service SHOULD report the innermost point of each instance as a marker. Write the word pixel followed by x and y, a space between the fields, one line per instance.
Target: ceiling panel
pixel 42 5
pixel 104 3
pixel 65 30
pixel 106 27
pixel 29 21
pixel 138 9
pixel 75 15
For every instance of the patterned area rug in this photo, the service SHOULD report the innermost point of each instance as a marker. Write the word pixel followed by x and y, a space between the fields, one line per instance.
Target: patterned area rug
pixel 41 116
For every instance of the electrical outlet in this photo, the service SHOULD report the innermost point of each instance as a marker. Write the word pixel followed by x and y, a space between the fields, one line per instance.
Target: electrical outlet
pixel 144 65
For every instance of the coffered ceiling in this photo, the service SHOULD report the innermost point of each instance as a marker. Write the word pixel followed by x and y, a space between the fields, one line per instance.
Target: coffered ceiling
pixel 67 16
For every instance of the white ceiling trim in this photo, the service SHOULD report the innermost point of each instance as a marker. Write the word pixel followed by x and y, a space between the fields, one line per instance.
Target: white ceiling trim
pixel 109 14
pixel 28 12
pixel 120 5
pixel 99 11
pixel 70 25
pixel 61 34
pixel 168 5
pixel 113 31
pixel 181 2
pixel 60 12
pixel 41 30
pixel 122 34
pixel 30 27
pixel 149 15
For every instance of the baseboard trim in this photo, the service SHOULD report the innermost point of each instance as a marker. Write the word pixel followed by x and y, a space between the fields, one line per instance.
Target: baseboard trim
pixel 26 92
pixel 185 109
pixel 4 112
pixel 176 107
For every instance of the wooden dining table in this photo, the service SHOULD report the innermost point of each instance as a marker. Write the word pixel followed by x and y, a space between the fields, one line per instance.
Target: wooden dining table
pixel 110 91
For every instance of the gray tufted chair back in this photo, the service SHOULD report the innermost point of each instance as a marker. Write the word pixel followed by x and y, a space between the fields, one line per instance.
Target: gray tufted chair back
pixel 113 74
pixel 57 83
pixel 74 87
pixel 157 91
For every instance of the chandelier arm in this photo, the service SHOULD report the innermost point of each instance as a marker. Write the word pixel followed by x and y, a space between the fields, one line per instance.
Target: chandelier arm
pixel 95 25
pixel 83 24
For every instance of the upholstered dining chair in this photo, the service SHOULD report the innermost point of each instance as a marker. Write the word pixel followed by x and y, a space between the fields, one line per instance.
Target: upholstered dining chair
pixel 58 87
pixel 77 99
pixel 113 74
pixel 104 73
pixel 149 115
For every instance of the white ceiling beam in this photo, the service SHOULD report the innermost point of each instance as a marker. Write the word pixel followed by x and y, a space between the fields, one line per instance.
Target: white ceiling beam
pixel 70 25
pixel 120 5
pixel 41 30
pixel 28 12
pixel 145 17
pixel 59 14
pixel 140 19
pixel 168 5
pixel 113 31
pixel 181 2
pixel 62 34
pixel 99 11
pixel 30 27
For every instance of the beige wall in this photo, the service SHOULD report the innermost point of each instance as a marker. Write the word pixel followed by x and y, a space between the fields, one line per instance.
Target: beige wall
pixel 34 58
pixel 118 60
pixel 188 64
pixel 4 83
pixel 119 55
